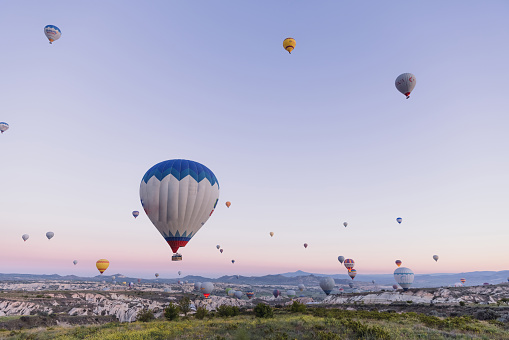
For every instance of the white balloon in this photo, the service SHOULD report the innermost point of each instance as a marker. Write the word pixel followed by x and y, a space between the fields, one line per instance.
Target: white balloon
pixel 52 32
pixel 4 127
pixel 405 83
pixel 404 277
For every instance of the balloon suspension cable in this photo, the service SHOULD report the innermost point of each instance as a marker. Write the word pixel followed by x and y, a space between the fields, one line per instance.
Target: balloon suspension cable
pixel 407 97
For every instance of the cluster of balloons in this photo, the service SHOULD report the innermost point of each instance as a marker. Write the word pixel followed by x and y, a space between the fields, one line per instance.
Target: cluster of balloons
pixel 49 236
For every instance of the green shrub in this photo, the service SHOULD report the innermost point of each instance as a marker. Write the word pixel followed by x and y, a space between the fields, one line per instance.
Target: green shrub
pixel 171 312
pixel 263 311
pixel 462 303
pixel 297 307
pixel 145 315
pixel 201 312
pixel 228 311
pixel 185 305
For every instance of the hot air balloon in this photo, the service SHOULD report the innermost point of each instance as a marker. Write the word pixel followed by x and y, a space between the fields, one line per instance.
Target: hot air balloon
pixel 102 265
pixel 373 281
pixel 221 251
pixel 231 292
pixel 399 220
pixel 197 286
pixel 113 277
pixel 156 274
pixel 50 235
pixel 237 277
pixel 238 294
pixel 305 245
pixel 405 83
pixel 228 204
pixel 463 280
pixel 271 234
pixel 398 263
pixel 139 280
pixel 345 224
pixel 435 257
pixel 206 289
pixel 349 264
pixel 341 290
pixel 341 259
pixel 289 44
pixel 25 237
pixel 179 272
pixel 276 293
pixel 52 32
pixel 136 213
pixel 352 273
pixel 486 284
pixel 179 196
pixel 327 284
pixel 4 127
pixel 218 246
pixel 290 293
pixel 508 279
pixel 233 261
pixel 394 286
pixel 124 283
pixel 404 277
pixel 301 287
pixel 250 294
pixel 351 284
pixel 75 262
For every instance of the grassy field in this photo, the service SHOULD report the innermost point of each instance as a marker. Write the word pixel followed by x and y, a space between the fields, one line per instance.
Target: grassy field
pixel 313 323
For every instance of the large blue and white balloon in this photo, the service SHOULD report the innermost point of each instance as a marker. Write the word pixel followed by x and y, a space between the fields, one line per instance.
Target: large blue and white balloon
pixel 404 277
pixel 52 32
pixel 179 196
pixel 4 127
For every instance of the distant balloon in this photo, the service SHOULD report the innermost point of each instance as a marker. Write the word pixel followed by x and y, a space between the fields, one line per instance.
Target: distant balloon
pixel 250 294
pixel 435 257
pixel 113 277
pixel 405 83
pixel 179 196
pixel 50 235
pixel 341 259
pixel 290 293
pixel 156 274
pixel 4 127
pixel 228 204
pixel 463 280
pixel 327 284
pixel 237 277
pixel 345 224
pixel 289 44
pixel 75 262
pixel 349 264
pixel 301 287
pixel 233 261
pixel 398 263
pixel 373 281
pixel 221 250
pixel 486 284
pixel 218 246
pixel 197 286
pixel 271 234
pixel 206 289
pixel 102 265
pixel 352 273
pixel 351 284
pixel 52 32
pixel 238 294
pixel 305 245
pixel 231 292
pixel 395 286
pixel 136 213
pixel 179 272
pixel 399 220
pixel 276 293
pixel 139 280
pixel 25 237
pixel 404 277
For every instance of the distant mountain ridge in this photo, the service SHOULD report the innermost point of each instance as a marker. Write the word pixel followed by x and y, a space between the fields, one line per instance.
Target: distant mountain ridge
pixel 291 278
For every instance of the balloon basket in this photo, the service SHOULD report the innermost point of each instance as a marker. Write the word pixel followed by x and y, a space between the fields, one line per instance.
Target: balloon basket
pixel 176 257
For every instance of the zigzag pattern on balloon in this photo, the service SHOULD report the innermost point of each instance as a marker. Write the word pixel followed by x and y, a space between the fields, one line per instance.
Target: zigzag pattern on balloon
pixel 180 168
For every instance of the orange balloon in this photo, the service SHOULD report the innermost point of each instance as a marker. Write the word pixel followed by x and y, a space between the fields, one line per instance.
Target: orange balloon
pixel 228 204
pixel 102 265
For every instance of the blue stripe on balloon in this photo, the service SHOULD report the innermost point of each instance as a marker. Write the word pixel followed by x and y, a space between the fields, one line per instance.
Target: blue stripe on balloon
pixel 180 169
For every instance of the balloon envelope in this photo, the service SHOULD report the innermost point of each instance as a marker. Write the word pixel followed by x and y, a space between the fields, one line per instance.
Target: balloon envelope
pixel 218 246
pixel 349 264
pixel 405 83
pixel 156 274
pixel 351 284
pixel 289 44
pixel 398 263
pixel 52 32
pixel 341 259
pixel 231 292
pixel 327 284
pixel 276 293
pixel 228 204
pixel 291 293
pixel 250 294
pixel 305 245
pixel 4 127
pixel 179 272
pixel 399 220
pixel 25 237
pixel 301 287
pixel 50 235
pixel 179 196
pixel 463 280
pixel 238 294
pixel 102 265
pixel 352 273
pixel 404 277
pixel 221 251
pixel 206 289
pixel 345 224
pixel 395 286
pixel 75 262
pixel 233 261
pixel 136 213
pixel 197 286
pixel 271 234
pixel 435 257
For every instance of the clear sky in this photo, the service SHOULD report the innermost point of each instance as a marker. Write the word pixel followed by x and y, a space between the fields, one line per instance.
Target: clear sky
pixel 300 143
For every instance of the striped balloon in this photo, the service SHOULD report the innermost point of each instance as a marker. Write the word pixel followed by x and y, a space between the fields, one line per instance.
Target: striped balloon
pixel 102 265
pixel 349 264
pixel 404 277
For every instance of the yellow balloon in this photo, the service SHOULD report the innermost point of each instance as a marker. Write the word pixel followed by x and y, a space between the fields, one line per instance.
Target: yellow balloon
pixel 289 44
pixel 102 265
